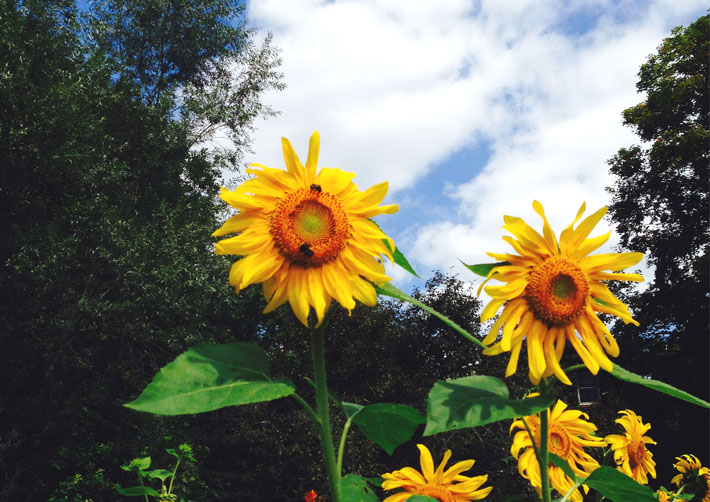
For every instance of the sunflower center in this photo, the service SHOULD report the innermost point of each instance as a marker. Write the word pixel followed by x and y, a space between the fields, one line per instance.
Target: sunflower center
pixel 309 227
pixel 558 440
pixel 637 451
pixel 557 290
pixel 436 491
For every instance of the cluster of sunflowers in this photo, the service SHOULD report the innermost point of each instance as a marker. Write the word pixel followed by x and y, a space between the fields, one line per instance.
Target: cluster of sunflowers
pixel 308 237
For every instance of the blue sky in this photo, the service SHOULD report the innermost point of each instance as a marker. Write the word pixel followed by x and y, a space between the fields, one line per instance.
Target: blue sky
pixel 471 110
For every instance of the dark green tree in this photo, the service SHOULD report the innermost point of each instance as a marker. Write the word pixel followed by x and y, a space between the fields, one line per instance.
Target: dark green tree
pixel 107 269
pixel 660 202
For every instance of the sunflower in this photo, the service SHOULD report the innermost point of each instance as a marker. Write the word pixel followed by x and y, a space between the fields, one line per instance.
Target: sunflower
pixel 568 434
pixel 694 474
pixel 552 296
pixel 445 486
pixel 630 453
pixel 306 236
pixel 665 496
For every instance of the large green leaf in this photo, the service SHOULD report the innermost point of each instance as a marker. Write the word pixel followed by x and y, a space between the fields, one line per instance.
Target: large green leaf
pixel 353 488
pixel 136 491
pixel 618 487
pixel 393 292
pixel 209 377
pixel 475 400
pixel 421 498
pixel 483 269
pixel 656 385
pixel 388 425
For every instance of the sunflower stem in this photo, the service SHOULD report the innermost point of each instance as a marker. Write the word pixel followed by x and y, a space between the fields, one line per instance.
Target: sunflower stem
pixel 544 459
pixel 326 436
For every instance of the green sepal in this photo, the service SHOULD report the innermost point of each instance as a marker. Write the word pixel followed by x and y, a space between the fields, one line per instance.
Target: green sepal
pixel 476 400
pixel 353 488
pixel 386 424
pixel 627 376
pixel 393 292
pixel 210 377
pixel 483 269
pixel 136 491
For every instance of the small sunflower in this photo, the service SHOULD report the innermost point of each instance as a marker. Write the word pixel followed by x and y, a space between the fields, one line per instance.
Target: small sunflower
pixel 568 434
pixel 306 235
pixel 665 496
pixel 693 474
pixel 445 486
pixel 630 453
pixel 553 293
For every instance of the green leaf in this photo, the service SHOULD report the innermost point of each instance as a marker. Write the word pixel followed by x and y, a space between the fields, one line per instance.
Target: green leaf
pixel 656 385
pixel 210 377
pixel 399 258
pixel 421 498
pixel 375 481
pixel 161 474
pixel 136 491
pixel 483 269
pixel 562 464
pixel 137 464
pixel 388 425
pixel 391 291
pixel 351 409
pixel 618 487
pixel 476 400
pixel 353 488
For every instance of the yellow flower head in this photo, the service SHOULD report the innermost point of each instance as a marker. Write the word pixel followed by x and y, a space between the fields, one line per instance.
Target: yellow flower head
pixel 445 486
pixel 552 294
pixel 568 434
pixel 694 474
pixel 306 235
pixel 665 497
pixel 630 453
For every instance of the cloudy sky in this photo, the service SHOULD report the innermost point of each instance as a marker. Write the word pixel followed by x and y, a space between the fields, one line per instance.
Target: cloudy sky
pixel 470 109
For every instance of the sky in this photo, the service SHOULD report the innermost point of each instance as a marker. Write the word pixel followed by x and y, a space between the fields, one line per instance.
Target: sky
pixel 469 109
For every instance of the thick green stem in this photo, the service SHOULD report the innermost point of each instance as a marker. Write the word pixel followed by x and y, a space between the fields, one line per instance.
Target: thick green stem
pixel 544 459
pixel 326 436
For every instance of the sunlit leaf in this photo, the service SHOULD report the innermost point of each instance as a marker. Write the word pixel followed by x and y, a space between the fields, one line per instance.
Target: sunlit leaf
pixel 656 385
pixel 388 425
pixel 353 488
pixel 475 400
pixel 161 474
pixel 483 269
pixel 210 377
pixel 619 487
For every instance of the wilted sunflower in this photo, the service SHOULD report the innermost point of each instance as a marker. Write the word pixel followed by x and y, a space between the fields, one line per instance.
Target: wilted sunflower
pixel 445 486
pixel 630 453
pixel 692 473
pixel 552 296
pixel 568 434
pixel 306 235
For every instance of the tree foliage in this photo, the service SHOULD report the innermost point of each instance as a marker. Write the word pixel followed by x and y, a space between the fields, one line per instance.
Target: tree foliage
pixel 661 206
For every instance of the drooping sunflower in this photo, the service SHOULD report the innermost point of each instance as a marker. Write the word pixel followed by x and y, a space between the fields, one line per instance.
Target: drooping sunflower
pixel 694 475
pixel 630 453
pixel 306 235
pixel 445 486
pixel 568 435
pixel 553 293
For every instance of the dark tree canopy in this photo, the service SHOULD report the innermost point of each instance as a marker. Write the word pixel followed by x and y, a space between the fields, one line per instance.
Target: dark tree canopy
pixel 660 204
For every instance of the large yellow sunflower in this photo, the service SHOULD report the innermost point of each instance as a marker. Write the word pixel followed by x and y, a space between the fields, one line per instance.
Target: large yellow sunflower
pixel 630 453
pixel 553 293
pixel 445 486
pixel 692 473
pixel 568 434
pixel 306 235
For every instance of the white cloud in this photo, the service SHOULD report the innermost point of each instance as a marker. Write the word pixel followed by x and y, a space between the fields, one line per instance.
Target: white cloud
pixel 395 87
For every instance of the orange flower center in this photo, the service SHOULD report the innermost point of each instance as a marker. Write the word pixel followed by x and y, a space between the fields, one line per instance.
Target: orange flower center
pixel 557 290
pixel 309 227
pixel 637 451
pixel 437 492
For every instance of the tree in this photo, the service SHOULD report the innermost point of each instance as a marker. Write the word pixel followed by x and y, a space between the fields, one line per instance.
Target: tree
pixel 660 203
pixel 107 270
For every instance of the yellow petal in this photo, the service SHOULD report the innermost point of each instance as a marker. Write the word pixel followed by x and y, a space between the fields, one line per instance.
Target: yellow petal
pixel 611 261
pixel 426 462
pixel 293 164
pixel 312 161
